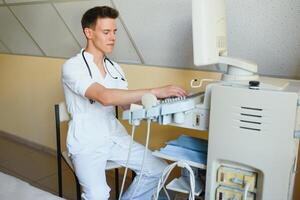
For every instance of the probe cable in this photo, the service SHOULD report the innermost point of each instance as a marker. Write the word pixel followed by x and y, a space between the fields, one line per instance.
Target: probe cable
pixel 144 157
pixel 127 161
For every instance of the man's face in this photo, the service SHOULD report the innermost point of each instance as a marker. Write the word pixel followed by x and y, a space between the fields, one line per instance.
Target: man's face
pixel 103 36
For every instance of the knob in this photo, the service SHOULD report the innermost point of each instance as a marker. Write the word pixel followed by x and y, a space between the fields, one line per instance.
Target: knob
pixel 254 85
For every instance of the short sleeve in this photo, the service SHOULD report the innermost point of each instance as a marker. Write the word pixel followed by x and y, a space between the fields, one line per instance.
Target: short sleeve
pixel 76 77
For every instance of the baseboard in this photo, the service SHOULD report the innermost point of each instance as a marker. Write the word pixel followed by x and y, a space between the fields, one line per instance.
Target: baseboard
pixel 31 144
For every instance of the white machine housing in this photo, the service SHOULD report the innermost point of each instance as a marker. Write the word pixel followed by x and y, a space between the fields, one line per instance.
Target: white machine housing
pixel 253 131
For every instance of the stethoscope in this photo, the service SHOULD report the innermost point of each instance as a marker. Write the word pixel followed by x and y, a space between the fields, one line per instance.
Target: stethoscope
pixel 106 68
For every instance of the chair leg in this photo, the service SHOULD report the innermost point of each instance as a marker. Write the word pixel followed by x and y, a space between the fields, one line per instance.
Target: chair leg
pixel 58 149
pixel 117 183
pixel 59 175
pixel 78 190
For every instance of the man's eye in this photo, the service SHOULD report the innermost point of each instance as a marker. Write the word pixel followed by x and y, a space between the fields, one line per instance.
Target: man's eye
pixel 105 32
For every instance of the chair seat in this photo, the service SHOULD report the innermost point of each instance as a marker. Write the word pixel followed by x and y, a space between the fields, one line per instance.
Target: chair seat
pixel 112 165
pixel 109 165
pixel 67 159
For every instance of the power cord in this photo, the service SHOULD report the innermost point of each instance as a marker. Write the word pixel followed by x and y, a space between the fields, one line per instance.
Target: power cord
pixel 247 187
pixel 166 174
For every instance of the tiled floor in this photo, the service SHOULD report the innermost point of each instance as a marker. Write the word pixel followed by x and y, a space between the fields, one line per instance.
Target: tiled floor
pixel 39 168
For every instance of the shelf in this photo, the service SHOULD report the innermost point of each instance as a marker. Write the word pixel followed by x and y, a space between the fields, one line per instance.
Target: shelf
pixel 172 158
pixel 182 185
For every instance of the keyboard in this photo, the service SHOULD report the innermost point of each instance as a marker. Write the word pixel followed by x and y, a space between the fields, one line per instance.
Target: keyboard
pixel 166 106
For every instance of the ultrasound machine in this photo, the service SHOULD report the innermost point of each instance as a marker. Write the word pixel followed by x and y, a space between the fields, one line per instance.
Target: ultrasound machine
pixel 253 122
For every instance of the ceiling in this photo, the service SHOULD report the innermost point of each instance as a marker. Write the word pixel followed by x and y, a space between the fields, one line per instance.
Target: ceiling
pixel 156 32
pixel 52 28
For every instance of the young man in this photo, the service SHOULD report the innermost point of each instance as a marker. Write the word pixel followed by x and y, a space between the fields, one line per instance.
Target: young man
pixel 93 85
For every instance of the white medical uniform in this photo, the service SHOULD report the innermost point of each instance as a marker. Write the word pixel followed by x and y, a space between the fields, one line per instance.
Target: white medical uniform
pixel 95 135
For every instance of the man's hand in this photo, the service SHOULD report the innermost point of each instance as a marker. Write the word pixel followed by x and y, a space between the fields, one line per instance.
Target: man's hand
pixel 168 91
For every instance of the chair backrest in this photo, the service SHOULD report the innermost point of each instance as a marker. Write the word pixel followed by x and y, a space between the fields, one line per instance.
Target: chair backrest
pixel 63 112
pixel 61 115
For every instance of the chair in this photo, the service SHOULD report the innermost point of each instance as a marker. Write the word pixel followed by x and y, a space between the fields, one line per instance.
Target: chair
pixel 62 115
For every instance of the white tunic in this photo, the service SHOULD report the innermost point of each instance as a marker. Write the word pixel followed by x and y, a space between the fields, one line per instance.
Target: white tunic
pixel 91 125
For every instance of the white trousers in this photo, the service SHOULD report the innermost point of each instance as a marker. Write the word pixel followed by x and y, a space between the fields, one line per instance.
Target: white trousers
pixel 90 171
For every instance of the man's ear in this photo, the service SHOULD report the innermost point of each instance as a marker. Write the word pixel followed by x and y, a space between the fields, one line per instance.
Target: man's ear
pixel 88 33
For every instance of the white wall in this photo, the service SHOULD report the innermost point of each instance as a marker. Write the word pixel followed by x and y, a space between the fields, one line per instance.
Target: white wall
pixel 156 32
pixel 267 32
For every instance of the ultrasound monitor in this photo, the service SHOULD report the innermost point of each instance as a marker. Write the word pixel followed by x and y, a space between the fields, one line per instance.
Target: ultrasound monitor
pixel 210 41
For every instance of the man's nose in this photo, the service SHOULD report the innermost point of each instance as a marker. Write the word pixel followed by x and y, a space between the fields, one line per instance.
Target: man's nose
pixel 113 37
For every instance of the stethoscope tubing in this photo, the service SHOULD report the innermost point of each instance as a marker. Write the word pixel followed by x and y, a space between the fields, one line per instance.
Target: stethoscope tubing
pixel 105 59
pixel 106 68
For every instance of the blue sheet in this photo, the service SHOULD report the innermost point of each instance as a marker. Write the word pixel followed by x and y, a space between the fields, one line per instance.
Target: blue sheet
pixel 187 148
pixel 192 143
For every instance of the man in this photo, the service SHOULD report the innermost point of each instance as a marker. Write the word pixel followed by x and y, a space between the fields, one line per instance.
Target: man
pixel 93 85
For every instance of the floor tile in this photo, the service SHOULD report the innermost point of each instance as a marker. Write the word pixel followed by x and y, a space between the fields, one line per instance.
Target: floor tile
pixel 33 166
pixel 19 176
pixel 10 150
pixel 40 169
pixel 4 170
pixel 69 185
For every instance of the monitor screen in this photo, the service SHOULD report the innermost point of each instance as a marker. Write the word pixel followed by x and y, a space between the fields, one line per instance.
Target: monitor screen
pixel 210 41
pixel 209 31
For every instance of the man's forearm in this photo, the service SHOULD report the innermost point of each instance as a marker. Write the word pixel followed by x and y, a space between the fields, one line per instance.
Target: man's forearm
pixel 120 97
pixel 109 97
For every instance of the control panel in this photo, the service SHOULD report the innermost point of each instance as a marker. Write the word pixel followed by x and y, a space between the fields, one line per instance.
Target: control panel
pixel 234 183
pixel 227 193
pixel 234 177
pixel 187 112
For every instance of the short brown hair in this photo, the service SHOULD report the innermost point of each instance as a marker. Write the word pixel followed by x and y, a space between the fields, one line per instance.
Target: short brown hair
pixel 90 17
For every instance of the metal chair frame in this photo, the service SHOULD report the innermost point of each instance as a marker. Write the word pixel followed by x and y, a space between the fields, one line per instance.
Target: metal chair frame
pixel 64 155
